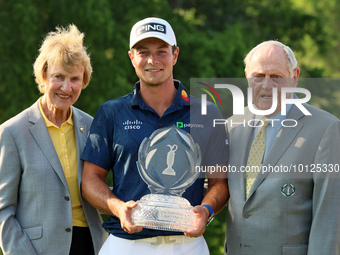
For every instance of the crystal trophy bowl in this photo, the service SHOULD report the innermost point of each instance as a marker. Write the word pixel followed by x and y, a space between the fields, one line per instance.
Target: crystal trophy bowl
pixel 166 162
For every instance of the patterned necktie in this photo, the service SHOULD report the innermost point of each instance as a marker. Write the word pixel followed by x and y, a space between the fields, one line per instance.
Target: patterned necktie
pixel 256 156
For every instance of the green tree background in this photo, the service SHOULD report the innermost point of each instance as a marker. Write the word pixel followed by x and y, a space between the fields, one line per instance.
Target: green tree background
pixel 213 37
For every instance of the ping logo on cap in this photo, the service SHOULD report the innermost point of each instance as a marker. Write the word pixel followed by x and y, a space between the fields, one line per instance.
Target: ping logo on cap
pixel 151 27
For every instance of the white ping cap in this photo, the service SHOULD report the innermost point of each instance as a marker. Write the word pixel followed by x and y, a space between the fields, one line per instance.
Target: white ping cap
pixel 152 27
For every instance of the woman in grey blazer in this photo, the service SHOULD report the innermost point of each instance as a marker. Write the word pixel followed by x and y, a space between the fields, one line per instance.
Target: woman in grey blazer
pixel 41 208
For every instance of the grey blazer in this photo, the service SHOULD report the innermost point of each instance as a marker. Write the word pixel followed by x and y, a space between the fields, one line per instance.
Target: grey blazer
pixel 35 204
pixel 287 213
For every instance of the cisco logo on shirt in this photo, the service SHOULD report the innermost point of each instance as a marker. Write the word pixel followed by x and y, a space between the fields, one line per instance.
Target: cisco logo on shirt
pixel 128 124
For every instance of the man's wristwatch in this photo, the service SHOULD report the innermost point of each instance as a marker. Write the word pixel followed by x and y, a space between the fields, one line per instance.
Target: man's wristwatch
pixel 211 214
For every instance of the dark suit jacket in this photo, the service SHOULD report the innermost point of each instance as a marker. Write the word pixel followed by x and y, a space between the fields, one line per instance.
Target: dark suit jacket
pixel 287 213
pixel 35 204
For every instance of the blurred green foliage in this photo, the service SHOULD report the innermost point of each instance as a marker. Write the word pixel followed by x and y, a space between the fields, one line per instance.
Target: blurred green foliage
pixel 213 37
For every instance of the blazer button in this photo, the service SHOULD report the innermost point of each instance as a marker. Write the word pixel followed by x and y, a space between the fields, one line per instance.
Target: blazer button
pixel 68 230
pixel 67 198
pixel 246 215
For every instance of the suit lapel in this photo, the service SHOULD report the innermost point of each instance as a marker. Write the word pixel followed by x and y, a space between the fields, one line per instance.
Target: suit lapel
pixel 42 137
pixel 282 142
pixel 243 133
pixel 243 143
pixel 80 131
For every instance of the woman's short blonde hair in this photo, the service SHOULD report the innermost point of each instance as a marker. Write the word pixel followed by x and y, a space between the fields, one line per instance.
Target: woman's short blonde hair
pixel 63 48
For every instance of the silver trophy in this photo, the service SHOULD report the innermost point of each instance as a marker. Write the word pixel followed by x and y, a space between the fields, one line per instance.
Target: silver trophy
pixel 167 162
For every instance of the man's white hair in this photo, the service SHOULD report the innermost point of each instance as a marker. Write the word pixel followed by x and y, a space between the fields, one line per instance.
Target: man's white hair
pixel 291 60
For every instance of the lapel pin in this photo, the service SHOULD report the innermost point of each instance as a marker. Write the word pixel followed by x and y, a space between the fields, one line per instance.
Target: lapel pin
pixel 81 128
pixel 288 190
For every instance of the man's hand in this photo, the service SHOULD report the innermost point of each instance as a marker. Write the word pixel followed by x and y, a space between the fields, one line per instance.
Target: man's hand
pixel 125 217
pixel 96 191
pixel 202 215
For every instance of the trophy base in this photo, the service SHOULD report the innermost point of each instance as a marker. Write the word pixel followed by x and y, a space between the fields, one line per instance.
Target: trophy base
pixel 163 212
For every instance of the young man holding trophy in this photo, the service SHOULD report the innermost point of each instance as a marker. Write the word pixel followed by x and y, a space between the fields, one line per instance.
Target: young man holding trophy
pixel 140 127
